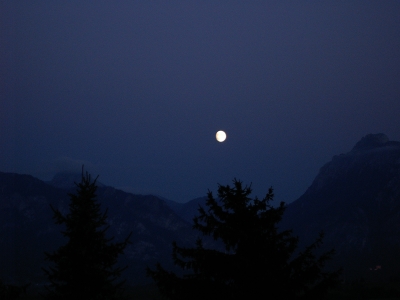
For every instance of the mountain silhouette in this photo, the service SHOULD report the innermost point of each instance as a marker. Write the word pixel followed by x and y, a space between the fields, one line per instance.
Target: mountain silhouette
pixel 355 200
pixel 27 228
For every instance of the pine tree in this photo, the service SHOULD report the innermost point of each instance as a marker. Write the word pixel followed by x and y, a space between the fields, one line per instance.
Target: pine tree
pixel 258 261
pixel 84 268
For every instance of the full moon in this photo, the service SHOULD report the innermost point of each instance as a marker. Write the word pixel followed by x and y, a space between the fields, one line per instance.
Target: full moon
pixel 220 136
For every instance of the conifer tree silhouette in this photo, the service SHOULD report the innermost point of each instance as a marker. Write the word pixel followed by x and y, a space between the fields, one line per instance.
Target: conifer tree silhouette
pixel 258 261
pixel 84 268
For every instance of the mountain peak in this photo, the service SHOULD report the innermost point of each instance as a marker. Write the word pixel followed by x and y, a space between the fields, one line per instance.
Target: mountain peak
pixel 371 141
pixel 355 201
pixel 66 179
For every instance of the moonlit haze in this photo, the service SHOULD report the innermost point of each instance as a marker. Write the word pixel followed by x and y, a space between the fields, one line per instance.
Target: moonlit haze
pixel 136 90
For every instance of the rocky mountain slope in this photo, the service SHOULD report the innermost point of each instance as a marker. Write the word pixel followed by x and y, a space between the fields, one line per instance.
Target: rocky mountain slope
pixel 355 200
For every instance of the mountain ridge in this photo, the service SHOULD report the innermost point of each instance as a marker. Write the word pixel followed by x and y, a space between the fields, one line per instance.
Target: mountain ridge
pixel 27 229
pixel 355 200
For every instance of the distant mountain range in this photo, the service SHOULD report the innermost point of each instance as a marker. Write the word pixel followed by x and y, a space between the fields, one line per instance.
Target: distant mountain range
pixel 27 228
pixel 355 200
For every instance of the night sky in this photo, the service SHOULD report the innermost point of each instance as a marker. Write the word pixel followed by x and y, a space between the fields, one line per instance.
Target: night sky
pixel 136 90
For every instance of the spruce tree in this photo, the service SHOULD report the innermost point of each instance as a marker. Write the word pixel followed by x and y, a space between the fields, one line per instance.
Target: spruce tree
pixel 258 261
pixel 84 268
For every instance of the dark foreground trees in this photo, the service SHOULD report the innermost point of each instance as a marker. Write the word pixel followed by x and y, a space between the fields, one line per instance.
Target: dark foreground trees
pixel 12 292
pixel 258 261
pixel 84 268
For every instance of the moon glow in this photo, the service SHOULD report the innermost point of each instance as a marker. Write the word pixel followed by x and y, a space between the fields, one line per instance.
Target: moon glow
pixel 220 136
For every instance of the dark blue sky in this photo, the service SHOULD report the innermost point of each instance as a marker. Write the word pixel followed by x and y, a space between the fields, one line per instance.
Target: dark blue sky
pixel 136 90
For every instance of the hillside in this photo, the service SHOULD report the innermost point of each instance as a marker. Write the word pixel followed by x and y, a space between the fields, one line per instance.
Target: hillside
pixel 355 200
pixel 27 229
